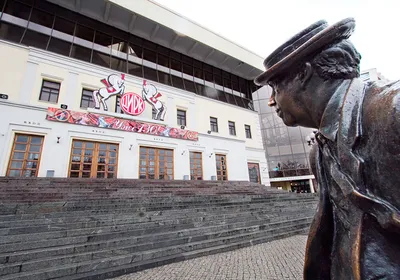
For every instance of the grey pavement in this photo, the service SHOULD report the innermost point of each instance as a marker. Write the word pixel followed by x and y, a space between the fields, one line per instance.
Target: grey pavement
pixel 280 259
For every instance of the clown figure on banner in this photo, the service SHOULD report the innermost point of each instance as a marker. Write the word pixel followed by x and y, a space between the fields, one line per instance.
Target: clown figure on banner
pixel 151 95
pixel 114 86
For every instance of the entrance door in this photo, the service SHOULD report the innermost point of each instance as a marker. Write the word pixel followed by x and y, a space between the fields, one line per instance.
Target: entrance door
pixel 25 156
pixel 196 166
pixel 254 172
pixel 156 163
pixel 222 172
pixel 93 160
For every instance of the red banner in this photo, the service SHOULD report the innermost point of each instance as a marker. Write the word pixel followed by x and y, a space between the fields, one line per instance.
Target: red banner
pixel 102 121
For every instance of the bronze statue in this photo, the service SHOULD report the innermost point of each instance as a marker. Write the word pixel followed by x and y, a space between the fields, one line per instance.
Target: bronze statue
pixel 355 233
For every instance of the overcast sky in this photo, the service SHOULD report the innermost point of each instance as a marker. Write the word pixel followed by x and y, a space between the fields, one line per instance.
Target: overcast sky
pixel 262 25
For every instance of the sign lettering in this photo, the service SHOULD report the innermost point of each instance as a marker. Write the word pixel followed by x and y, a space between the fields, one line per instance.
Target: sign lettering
pixel 102 121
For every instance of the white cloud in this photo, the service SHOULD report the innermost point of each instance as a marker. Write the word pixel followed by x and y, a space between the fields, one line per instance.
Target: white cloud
pixel 261 25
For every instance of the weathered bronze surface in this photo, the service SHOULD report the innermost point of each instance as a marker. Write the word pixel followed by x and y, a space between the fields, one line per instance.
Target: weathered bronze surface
pixel 356 160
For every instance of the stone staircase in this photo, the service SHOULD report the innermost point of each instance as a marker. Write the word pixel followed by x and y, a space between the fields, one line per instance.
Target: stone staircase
pixel 57 228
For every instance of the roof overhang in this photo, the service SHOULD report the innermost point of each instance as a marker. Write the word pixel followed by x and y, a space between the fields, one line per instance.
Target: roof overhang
pixel 156 23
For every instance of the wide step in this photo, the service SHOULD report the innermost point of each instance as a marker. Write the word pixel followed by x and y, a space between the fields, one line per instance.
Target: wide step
pixel 52 228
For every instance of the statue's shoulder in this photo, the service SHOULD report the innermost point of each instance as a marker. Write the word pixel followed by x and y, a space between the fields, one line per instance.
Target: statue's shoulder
pixel 382 105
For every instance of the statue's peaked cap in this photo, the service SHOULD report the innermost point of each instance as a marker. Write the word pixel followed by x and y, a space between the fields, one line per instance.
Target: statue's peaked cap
pixel 304 43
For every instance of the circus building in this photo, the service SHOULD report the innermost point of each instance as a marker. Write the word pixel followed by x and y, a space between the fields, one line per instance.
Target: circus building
pixel 124 89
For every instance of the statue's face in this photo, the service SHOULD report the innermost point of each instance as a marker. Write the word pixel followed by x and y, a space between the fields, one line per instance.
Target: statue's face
pixel 286 98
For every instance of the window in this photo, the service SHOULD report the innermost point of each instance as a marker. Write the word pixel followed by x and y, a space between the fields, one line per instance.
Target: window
pixel 50 91
pixel 59 30
pixel 87 99
pixel 214 124
pixel 222 173
pixel 196 167
pixel 25 156
pixel 153 114
pixel 247 131
pixel 156 163
pixel 232 129
pixel 181 116
pixel 117 106
pixel 93 160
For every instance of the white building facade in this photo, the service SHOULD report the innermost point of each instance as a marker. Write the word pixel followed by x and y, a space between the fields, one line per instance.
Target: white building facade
pixel 83 98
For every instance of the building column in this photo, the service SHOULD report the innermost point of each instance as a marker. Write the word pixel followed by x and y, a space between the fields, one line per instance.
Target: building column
pixel 171 112
pixel 28 83
pixel 72 86
pixel 192 116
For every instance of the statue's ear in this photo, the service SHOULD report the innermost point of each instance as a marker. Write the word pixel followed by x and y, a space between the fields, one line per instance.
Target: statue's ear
pixel 306 74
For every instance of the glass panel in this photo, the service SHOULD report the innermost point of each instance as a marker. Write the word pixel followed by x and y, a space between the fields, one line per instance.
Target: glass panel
pixel 177 82
pixel 74 175
pixel 150 74
pixel 87 167
pixel 135 69
pixel 85 174
pixel 113 147
pixel 17 9
pixel 87 159
pixel 35 39
pixel 19 156
pixel 20 147
pixel 111 168
pixel 101 59
pixel 22 139
pixel 14 173
pixel 84 33
pixel 78 144
pixel 118 64
pixel 29 173
pixel 16 164
pixel 11 32
pixel 34 148
pixel 89 145
pixel 75 166
pixel 42 18
pixel 164 78
pixel 100 174
pixel 33 156
pixel 36 140
pixel 31 164
pixel 81 53
pixel 65 26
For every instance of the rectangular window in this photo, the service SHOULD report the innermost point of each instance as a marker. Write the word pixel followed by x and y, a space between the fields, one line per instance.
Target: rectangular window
pixel 153 113
pixel 156 163
pixel 87 99
pixel 222 172
pixel 214 124
pixel 232 129
pixel 50 91
pixel 181 116
pixel 25 156
pixel 247 131
pixel 93 160
pixel 196 166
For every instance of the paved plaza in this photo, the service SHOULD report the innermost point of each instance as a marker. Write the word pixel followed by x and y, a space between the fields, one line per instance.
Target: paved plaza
pixel 281 259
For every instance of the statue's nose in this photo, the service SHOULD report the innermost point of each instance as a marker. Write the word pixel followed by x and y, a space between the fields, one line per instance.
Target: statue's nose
pixel 271 102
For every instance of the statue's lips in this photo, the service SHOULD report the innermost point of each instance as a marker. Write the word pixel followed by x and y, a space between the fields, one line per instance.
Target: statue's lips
pixel 278 112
